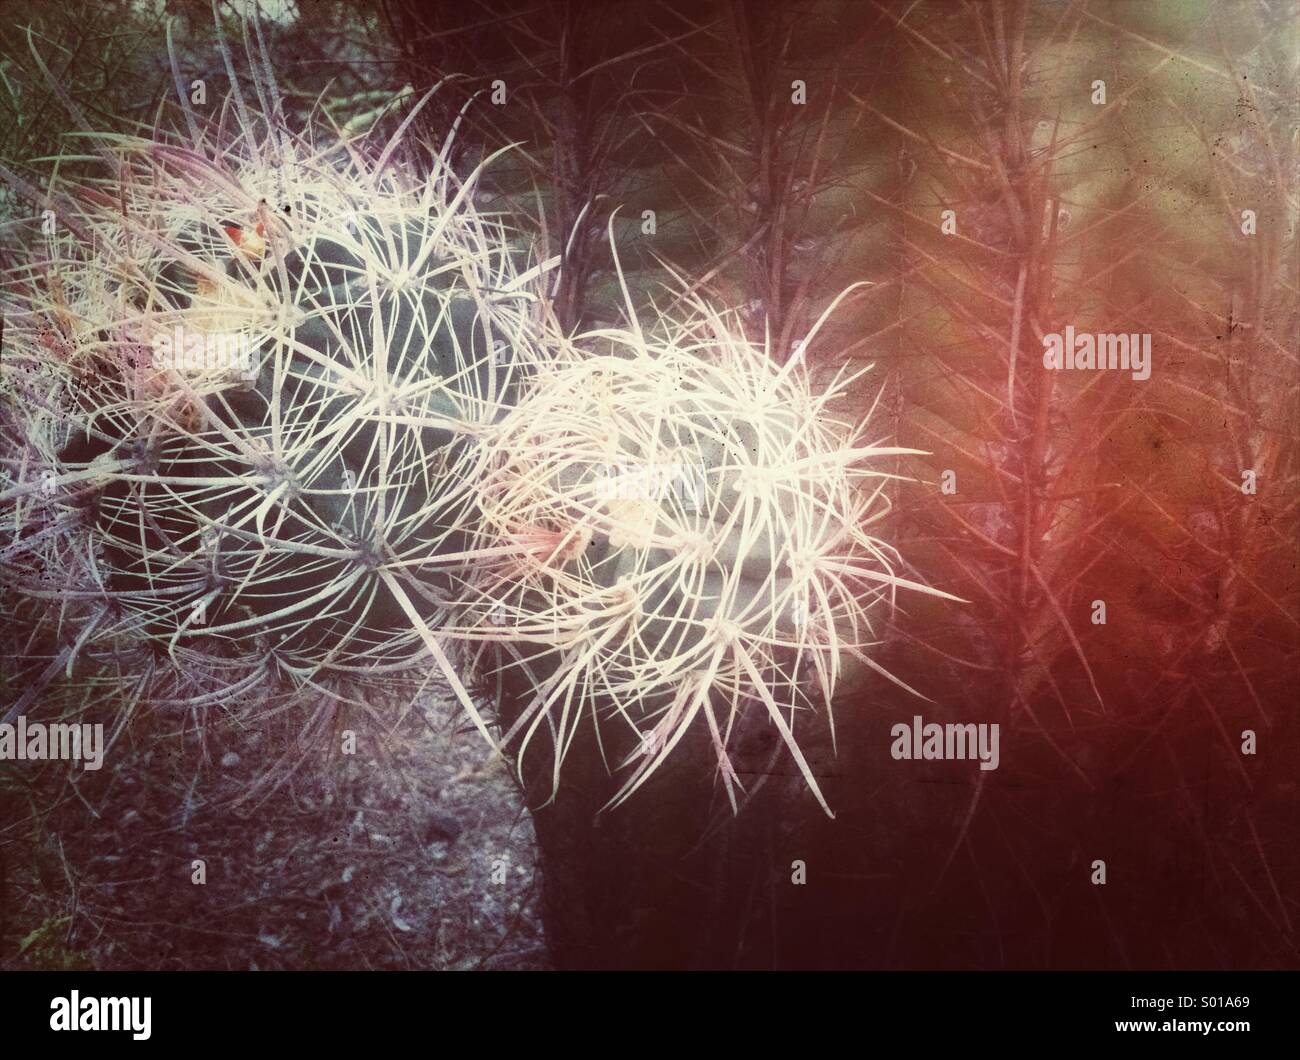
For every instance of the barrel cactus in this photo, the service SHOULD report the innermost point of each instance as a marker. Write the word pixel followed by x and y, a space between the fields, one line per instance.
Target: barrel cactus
pixel 674 529
pixel 250 376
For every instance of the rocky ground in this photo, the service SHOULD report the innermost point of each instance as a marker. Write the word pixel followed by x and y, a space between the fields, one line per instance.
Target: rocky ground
pixel 414 851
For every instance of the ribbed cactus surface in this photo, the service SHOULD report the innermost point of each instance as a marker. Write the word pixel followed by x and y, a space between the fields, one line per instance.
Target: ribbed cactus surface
pixel 256 380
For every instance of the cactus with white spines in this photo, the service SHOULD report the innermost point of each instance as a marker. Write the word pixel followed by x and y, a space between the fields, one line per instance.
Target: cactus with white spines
pixel 675 529
pixel 249 375
pixel 665 527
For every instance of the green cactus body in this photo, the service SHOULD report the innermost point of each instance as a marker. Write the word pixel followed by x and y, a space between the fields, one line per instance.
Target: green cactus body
pixel 258 509
pixel 681 535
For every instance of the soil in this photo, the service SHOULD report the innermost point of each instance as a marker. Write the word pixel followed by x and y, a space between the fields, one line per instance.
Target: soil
pixel 413 851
